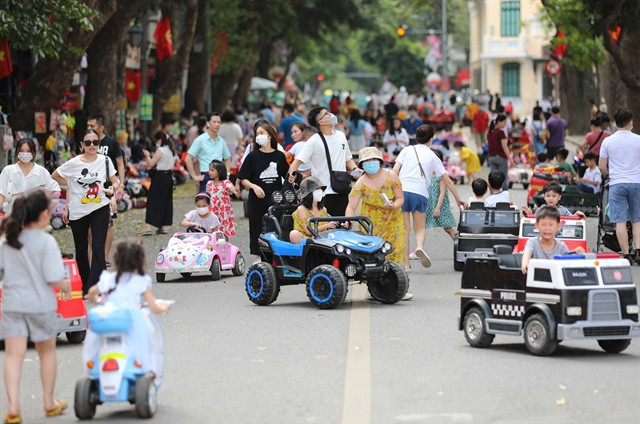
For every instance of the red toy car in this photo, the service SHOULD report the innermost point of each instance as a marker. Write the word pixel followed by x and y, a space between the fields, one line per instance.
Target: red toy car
pixel 543 176
pixel 573 232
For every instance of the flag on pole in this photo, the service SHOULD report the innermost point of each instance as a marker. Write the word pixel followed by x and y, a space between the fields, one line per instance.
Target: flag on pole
pixel 132 86
pixel 162 35
pixel 6 68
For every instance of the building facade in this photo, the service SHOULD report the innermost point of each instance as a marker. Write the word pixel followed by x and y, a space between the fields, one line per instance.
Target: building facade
pixel 508 51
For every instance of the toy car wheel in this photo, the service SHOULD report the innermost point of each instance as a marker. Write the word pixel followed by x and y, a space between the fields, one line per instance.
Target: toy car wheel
pixel 57 222
pixel 326 286
pixel 76 337
pixel 525 185
pixel 614 346
pixel 510 184
pixel 146 397
pixel 142 192
pixel 392 287
pixel 122 205
pixel 537 336
pixel 185 274
pixel 160 277
pixel 475 330
pixel 85 398
pixel 215 269
pixel 241 265
pixel 261 284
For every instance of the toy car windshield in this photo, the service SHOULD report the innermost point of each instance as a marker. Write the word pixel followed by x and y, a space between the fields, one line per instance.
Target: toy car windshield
pixel 363 221
pixel 566 232
pixel 490 217
pixel 580 276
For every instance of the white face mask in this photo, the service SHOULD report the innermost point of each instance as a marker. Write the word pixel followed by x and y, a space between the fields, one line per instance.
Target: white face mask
pixel 317 195
pixel 25 157
pixel 333 120
pixel 202 211
pixel 262 139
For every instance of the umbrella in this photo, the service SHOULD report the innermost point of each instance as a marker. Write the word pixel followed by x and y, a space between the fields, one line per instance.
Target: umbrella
pixel 258 83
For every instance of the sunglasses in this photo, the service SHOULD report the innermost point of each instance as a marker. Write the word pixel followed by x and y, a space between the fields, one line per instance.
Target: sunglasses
pixel 90 142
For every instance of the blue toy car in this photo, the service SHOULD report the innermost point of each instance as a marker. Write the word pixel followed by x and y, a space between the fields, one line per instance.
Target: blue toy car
pixel 324 262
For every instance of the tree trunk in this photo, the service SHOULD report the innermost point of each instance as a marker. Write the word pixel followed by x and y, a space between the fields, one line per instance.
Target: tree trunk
pixel 244 85
pixel 170 71
pixel 102 70
pixel 222 91
pixel 53 76
pixel 576 88
pixel 195 94
pixel 613 90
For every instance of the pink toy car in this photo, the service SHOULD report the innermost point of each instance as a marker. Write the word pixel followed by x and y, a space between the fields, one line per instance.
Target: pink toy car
pixel 56 213
pixel 199 252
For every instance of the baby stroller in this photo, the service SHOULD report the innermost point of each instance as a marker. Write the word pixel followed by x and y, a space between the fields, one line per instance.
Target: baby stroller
pixel 607 229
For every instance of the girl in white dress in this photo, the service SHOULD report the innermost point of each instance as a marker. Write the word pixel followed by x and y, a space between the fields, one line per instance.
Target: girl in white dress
pixel 126 287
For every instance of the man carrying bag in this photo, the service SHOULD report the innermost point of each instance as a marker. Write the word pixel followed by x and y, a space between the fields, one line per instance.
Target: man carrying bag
pixel 329 156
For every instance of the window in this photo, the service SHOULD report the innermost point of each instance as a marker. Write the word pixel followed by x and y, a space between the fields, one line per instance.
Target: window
pixel 542 274
pixel 511 79
pixel 510 24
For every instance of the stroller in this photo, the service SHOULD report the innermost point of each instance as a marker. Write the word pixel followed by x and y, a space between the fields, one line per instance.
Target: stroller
pixel 607 229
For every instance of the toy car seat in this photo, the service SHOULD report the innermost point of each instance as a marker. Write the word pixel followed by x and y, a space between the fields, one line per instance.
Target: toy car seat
pixel 506 258
pixel 476 206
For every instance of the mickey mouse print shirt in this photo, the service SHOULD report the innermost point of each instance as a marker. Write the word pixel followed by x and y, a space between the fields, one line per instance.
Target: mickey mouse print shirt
pixel 86 185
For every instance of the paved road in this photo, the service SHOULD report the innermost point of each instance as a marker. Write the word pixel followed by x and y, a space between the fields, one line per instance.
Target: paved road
pixel 228 360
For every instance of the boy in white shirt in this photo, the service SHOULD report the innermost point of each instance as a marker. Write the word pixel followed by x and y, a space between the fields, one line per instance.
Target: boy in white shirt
pixel 590 182
pixel 479 187
pixel 496 179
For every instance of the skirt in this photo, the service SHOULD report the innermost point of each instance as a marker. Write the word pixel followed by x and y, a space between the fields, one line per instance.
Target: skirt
pixel 160 200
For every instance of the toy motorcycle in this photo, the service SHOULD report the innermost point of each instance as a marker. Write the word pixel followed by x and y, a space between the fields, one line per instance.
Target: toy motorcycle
pixel 114 374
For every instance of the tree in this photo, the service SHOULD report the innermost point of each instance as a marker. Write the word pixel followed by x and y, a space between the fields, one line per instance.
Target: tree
pixel 195 94
pixel 53 74
pixel 103 88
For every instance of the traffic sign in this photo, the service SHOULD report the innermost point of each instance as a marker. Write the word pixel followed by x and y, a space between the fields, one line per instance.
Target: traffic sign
pixel 552 67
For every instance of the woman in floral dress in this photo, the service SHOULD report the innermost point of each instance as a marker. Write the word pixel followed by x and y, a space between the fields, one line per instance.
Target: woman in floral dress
pixel 438 208
pixel 220 188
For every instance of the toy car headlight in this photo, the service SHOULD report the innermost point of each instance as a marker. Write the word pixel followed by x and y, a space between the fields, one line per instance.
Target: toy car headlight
pixel 633 309
pixel 351 270
pixel 339 248
pixel 386 247
pixel 160 259
pixel 277 197
pixel 574 311
pixel 290 196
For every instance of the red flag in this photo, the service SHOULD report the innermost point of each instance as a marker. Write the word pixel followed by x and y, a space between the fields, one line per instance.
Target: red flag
pixel 615 34
pixel 561 48
pixel 132 85
pixel 6 68
pixel 221 51
pixel 162 35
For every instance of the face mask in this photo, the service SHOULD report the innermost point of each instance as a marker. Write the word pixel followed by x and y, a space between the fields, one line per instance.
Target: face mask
pixel 333 120
pixel 371 167
pixel 262 139
pixel 25 157
pixel 202 211
pixel 317 196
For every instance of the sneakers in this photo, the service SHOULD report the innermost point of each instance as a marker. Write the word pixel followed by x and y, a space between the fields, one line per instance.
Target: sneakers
pixel 424 258
pixel 413 256
pixel 407 296
pixel 629 258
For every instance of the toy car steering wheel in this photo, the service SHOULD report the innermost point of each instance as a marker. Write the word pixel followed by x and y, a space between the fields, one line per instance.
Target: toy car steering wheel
pixel 194 229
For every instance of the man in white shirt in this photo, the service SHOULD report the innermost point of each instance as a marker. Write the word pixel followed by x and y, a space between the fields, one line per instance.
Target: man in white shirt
pixel 619 158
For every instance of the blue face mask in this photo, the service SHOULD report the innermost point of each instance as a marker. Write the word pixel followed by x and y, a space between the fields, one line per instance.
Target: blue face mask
pixel 371 167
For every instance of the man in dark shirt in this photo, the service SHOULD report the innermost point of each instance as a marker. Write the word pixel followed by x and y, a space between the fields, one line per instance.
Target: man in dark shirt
pixel 557 128
pixel 109 146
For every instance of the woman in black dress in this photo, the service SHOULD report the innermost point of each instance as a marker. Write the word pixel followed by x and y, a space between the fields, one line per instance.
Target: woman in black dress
pixel 262 173
pixel 160 196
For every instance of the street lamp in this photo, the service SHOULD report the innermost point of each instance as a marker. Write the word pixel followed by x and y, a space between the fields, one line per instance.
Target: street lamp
pixel 136 33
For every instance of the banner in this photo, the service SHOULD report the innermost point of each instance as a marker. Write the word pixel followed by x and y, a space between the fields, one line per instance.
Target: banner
pixel 174 104
pixel 132 86
pixel 146 107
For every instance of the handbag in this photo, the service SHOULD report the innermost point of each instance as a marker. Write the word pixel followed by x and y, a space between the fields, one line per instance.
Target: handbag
pixel 340 180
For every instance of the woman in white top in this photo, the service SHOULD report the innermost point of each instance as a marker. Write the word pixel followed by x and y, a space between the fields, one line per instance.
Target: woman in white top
pixel 395 138
pixel 160 196
pixel 91 179
pixel 24 176
pixel 414 166
pixel 230 132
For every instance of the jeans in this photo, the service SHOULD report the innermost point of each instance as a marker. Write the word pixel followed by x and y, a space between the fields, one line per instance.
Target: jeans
pixel 498 163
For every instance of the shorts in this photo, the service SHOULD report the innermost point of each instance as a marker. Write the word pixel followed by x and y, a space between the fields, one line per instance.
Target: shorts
pixel 624 197
pixel 38 327
pixel 414 202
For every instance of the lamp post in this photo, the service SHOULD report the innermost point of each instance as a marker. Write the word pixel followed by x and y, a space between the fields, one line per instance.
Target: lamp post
pixel 138 38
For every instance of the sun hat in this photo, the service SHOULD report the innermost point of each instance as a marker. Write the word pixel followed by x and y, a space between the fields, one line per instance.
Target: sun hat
pixel 369 153
pixel 308 186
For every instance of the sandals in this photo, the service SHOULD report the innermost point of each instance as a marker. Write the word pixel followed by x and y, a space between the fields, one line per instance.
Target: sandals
pixel 144 233
pixel 62 405
pixel 161 231
pixel 12 419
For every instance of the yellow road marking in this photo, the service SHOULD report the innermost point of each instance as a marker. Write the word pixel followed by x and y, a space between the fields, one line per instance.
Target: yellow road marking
pixel 356 405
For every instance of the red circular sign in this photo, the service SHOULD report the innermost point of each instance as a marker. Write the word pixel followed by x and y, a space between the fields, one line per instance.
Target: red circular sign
pixel 552 67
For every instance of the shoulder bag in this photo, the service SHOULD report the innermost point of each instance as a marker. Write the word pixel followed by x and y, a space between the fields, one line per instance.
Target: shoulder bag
pixel 420 165
pixel 340 180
